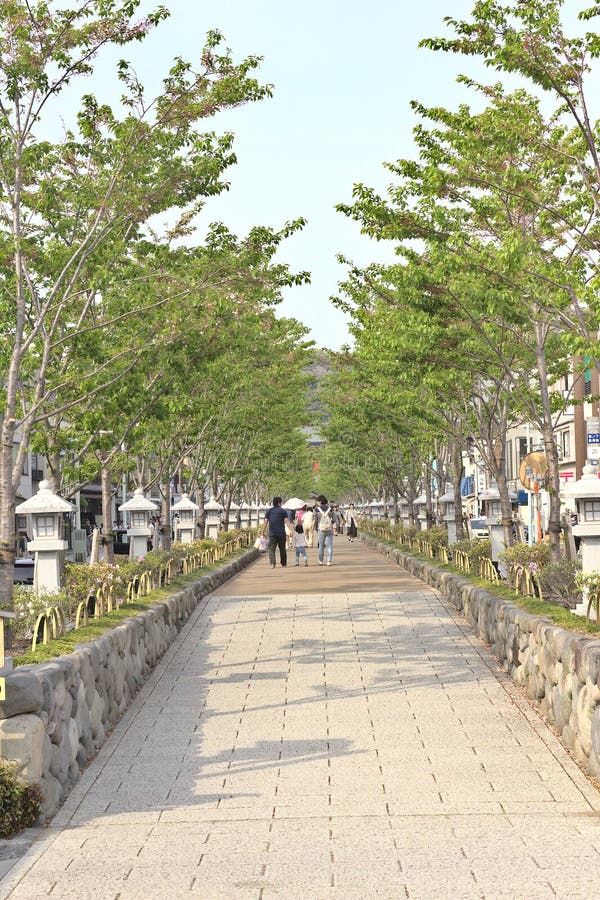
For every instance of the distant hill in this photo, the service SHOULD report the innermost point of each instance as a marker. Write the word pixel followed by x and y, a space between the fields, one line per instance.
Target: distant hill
pixel 317 370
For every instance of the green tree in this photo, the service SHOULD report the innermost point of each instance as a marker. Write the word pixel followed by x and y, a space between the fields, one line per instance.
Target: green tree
pixel 73 209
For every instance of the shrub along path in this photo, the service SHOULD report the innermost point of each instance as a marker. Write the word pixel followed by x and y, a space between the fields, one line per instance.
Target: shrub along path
pixel 324 733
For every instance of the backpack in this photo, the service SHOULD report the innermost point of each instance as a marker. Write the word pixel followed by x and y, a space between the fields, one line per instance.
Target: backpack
pixel 326 522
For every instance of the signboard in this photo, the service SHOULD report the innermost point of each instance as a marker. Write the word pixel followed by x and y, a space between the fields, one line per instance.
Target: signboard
pixel 592 427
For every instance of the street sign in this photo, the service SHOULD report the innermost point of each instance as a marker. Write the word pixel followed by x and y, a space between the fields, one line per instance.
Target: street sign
pixel 592 428
pixel 532 471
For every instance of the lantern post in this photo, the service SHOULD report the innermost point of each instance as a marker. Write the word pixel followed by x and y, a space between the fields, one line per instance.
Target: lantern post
pixel 47 512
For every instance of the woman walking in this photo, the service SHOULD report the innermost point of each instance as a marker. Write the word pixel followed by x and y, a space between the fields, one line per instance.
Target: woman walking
pixel 351 523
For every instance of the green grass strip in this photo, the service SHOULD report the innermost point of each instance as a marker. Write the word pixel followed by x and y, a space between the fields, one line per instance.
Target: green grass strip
pixel 559 615
pixel 97 627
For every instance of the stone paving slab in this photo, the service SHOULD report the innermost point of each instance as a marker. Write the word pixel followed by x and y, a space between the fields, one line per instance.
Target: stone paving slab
pixel 303 739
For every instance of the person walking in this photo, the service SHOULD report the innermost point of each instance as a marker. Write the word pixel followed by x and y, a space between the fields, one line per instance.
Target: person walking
pixel 324 520
pixel 276 519
pixel 299 544
pixel 308 523
pixel 338 520
pixel 351 523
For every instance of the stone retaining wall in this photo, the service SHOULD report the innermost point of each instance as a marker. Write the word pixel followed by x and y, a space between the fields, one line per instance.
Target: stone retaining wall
pixel 57 714
pixel 558 669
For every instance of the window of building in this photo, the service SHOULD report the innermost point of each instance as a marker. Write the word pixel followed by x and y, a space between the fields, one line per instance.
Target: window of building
pixel 37 467
pixel 523 448
pixel 591 510
pixel 566 443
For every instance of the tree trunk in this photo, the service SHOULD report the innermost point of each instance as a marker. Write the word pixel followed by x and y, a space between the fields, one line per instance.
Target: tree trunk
pixel 395 510
pixel 428 502
pixel 54 474
pixel 201 513
pixel 505 510
pixel 456 480
pixel 412 495
pixel 553 479
pixel 385 502
pixel 226 510
pixel 107 519
pixel 505 502
pixel 165 493
pixel 8 538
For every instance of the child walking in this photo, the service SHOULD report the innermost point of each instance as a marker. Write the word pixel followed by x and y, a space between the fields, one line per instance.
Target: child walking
pixel 299 544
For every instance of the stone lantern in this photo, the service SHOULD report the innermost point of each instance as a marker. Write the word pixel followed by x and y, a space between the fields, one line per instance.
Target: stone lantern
pixel 186 527
pixel 492 510
pixel 212 515
pixel 138 511
pixel 448 514
pixel 420 504
pixel 586 494
pixel 245 515
pixel 253 515
pixel 404 516
pixel 233 512
pixel 47 511
pixel 391 512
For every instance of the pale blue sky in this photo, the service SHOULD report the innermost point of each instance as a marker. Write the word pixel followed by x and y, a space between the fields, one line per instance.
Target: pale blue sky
pixel 344 72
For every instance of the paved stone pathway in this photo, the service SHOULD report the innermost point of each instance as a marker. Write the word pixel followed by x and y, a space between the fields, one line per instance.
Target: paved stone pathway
pixel 324 733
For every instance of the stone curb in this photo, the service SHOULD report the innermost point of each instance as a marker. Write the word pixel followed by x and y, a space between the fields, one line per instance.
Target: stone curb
pixel 558 669
pixel 58 713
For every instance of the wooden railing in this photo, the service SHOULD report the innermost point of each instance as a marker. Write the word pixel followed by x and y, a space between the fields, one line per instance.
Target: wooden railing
pixel 51 622
pixel 525 582
pixel 488 570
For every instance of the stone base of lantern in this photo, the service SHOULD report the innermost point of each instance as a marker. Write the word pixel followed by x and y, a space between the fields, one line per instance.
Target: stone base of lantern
pixel 212 530
pixel 451 529
pixel 49 569
pixel 498 547
pixel 138 542
pixel 184 534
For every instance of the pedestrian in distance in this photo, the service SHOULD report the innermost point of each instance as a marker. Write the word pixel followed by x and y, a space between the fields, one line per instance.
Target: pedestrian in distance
pixel 291 523
pixel 308 523
pixel 338 520
pixel 324 521
pixel 299 544
pixel 351 523
pixel 276 520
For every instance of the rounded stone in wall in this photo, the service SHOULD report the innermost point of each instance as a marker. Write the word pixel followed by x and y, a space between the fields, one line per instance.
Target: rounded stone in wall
pixel 22 741
pixel 595 737
pixel 24 694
